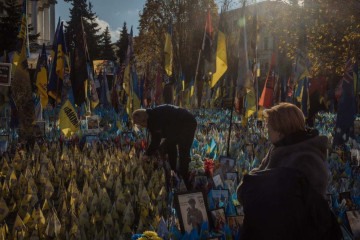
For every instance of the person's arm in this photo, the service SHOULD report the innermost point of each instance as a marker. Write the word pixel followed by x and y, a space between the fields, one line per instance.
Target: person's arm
pixel 154 144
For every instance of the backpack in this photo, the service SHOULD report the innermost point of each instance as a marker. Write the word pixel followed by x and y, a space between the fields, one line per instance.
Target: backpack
pixel 279 203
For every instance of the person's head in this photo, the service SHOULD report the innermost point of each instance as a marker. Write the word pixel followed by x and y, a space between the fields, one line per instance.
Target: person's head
pixel 140 117
pixel 192 202
pixel 282 120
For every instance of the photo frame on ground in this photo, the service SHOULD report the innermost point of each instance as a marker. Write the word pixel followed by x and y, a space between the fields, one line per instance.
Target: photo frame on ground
pixel 239 210
pixel 4 142
pixel 5 74
pixel 200 182
pixel 226 165
pixel 218 218
pixel 4 123
pixel 346 196
pixel 233 176
pixel 192 210
pixel 219 196
pixel 353 218
pixel 217 181
pixel 329 199
pixel 92 124
pixel 235 223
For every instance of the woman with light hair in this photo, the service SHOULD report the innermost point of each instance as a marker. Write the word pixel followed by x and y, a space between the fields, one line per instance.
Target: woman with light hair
pixel 284 198
pixel 177 126
pixel 295 146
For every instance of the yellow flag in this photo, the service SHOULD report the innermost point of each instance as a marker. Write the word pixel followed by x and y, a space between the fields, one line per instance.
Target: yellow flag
pixel 250 102
pixel 168 50
pixel 12 180
pixel 221 59
pixel 49 189
pixel 4 210
pixel 69 122
pixel 126 82
pixel 145 198
pixel 38 216
pixel 41 83
pixel 19 227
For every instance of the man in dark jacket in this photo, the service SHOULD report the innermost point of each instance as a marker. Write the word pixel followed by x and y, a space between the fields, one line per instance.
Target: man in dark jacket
pixel 174 124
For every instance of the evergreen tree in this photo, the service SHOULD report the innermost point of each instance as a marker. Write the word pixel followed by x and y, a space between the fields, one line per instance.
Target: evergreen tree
pixel 107 51
pixel 82 12
pixel 93 35
pixel 122 44
pixel 10 24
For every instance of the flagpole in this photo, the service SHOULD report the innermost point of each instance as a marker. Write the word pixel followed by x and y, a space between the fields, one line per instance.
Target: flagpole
pixel 257 64
pixel 230 125
pixel 198 63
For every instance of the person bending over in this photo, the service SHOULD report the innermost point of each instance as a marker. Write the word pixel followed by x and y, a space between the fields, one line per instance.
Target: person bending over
pixel 174 124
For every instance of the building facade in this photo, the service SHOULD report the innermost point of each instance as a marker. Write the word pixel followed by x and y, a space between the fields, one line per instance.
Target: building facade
pixel 41 15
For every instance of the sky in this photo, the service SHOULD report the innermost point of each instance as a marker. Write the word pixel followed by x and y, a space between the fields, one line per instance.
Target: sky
pixel 111 13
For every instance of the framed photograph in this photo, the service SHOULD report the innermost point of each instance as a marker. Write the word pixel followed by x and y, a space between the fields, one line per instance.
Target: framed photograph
pixel 357 126
pixel 218 181
pixel 329 199
pixel 200 183
pixel 233 176
pixel 226 164
pixel 192 210
pixel 235 223
pixel 40 129
pixel 4 142
pixel 92 123
pixel 355 157
pixel 239 210
pixel 218 218
pixel 4 123
pixel 346 197
pixel 354 222
pixel 5 74
pixel 219 196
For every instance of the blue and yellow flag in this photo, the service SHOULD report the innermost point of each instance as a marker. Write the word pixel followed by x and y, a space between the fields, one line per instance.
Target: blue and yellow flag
pixel 41 77
pixel 60 66
pixel 136 96
pixel 250 102
pixel 21 85
pixel 68 120
pixel 92 93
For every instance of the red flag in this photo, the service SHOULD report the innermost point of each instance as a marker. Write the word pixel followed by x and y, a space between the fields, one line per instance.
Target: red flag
pixel 266 99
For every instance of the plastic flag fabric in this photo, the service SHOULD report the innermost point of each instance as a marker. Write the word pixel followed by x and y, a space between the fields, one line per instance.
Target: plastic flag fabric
pixel 41 77
pixel 168 50
pixel 4 210
pixel 69 122
pixel 162 230
pixel 221 59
